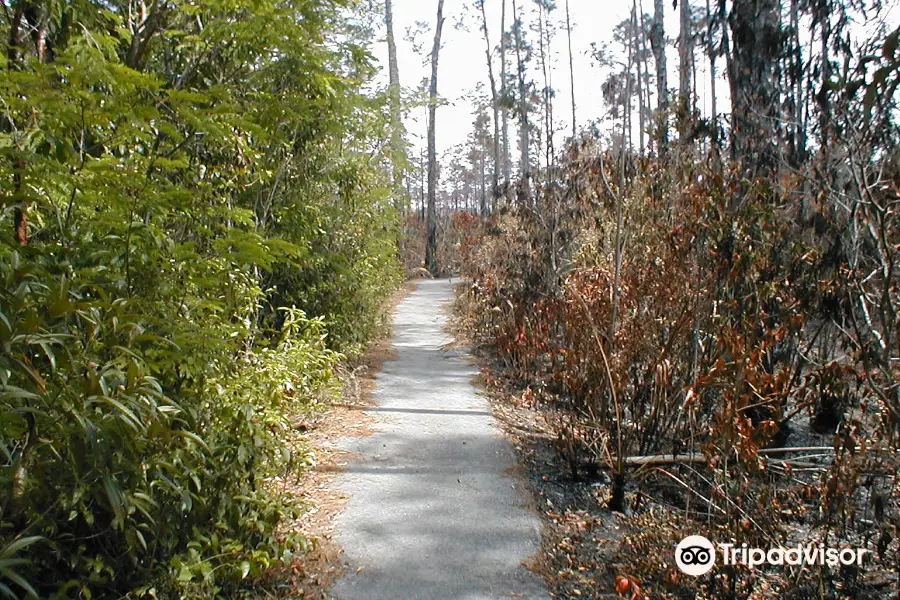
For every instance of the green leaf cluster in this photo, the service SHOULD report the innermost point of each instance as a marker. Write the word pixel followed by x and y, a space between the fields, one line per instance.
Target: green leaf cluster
pixel 173 176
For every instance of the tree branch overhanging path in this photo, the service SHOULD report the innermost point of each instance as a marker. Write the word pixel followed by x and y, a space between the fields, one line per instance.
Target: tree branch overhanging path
pixel 433 511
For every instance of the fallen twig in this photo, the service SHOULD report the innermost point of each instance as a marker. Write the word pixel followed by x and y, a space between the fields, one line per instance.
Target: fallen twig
pixel 697 458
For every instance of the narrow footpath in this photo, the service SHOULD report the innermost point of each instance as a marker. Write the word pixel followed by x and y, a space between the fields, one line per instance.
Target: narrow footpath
pixel 434 510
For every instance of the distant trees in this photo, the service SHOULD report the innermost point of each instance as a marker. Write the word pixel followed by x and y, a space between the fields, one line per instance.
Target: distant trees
pixel 774 74
pixel 483 147
pixel 545 31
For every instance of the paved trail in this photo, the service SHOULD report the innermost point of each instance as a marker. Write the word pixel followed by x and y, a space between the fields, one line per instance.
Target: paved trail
pixel 433 511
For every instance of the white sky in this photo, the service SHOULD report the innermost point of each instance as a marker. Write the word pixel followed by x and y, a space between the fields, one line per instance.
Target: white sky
pixel 462 64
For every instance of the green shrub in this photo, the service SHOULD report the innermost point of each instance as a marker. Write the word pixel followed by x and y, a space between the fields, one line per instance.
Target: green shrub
pixel 170 197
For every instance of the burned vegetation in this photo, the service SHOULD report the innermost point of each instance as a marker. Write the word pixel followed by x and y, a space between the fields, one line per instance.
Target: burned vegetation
pixel 699 336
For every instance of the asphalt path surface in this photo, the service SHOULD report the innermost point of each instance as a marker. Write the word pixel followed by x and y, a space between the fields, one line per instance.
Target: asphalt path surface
pixel 434 510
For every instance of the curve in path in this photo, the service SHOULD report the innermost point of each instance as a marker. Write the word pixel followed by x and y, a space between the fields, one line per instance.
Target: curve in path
pixel 434 512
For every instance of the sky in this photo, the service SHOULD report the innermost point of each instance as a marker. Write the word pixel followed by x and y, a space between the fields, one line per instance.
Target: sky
pixel 462 64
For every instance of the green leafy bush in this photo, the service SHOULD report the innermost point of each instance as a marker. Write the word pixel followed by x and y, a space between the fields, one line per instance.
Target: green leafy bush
pixel 175 179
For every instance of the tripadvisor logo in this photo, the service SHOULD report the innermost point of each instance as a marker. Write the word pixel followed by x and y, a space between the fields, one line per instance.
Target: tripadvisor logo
pixel 695 555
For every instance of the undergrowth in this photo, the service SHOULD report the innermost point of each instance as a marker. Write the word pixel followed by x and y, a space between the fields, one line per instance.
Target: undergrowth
pixel 675 353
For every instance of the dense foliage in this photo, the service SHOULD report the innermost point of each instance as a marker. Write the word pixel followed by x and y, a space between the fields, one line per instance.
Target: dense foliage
pixel 722 335
pixel 198 228
pixel 682 321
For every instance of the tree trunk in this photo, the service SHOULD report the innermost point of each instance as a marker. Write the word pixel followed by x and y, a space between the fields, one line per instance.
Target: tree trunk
pixel 638 36
pixel 571 69
pixel 756 33
pixel 483 207
pixel 423 168
pixel 711 53
pixel 503 90
pixel 495 104
pixel 823 16
pixel 658 45
pixel 396 120
pixel 545 95
pixel 15 36
pixel 685 58
pixel 431 225
pixel 152 23
pixel 619 198
pixel 629 105
pixel 524 141
pixel 645 61
pixel 725 49
pixel 799 150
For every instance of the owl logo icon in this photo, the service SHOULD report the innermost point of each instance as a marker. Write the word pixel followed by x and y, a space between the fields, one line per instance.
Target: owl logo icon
pixel 695 555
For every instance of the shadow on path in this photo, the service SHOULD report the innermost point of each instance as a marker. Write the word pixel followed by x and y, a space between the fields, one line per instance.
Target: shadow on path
pixel 433 511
